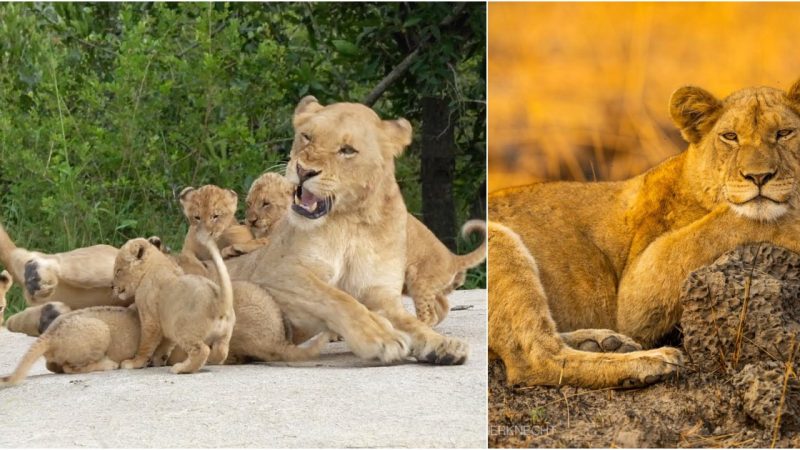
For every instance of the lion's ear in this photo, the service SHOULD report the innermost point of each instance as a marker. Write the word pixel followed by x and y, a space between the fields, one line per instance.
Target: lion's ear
pixel 5 280
pixel 155 241
pixel 186 194
pixel 307 106
pixel 232 194
pixel 694 110
pixel 399 133
pixel 794 93
pixel 137 249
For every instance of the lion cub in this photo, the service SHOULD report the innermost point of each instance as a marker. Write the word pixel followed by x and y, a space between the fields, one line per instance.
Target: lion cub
pixel 87 340
pixel 189 311
pixel 214 209
pixel 432 271
pixel 5 285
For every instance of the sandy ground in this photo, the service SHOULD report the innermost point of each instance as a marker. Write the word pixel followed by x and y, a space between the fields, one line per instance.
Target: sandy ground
pixel 336 401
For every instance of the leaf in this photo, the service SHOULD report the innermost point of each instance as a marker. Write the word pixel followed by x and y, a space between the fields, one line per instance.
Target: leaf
pixel 411 22
pixel 127 223
pixel 345 47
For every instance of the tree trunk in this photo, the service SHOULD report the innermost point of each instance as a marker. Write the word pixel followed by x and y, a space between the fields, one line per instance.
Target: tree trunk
pixel 438 169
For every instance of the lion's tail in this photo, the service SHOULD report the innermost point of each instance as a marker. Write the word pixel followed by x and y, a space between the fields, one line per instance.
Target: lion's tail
pixel 36 351
pixel 290 352
pixel 475 257
pixel 6 247
pixel 222 272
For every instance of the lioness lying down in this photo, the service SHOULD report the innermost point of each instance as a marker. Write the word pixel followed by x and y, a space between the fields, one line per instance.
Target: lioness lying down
pixel 337 263
pixel 5 285
pixel 432 271
pixel 586 258
pixel 79 278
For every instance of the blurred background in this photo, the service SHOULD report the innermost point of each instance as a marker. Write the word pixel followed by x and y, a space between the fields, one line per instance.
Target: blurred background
pixel 579 91
pixel 108 110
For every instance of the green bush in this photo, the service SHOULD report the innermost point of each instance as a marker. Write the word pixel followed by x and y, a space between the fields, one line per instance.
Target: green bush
pixel 109 110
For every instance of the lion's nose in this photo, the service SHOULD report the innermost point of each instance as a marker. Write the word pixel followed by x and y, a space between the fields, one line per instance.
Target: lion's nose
pixel 759 179
pixel 305 174
pixel 252 220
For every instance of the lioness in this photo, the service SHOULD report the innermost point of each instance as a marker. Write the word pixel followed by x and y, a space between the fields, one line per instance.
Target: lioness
pixel 189 311
pixel 338 261
pixel 432 271
pixel 33 320
pixel 613 255
pixel 78 278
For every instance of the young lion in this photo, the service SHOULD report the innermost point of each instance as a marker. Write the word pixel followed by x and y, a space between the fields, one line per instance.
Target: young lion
pixel 87 340
pixel 432 271
pixel 614 255
pixel 5 285
pixel 189 311
pixel 79 278
pixel 214 209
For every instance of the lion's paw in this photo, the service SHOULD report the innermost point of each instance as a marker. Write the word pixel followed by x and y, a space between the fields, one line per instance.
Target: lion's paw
pixel 376 338
pixel 40 282
pixel 444 351
pixel 135 363
pixel 599 340
pixel 654 366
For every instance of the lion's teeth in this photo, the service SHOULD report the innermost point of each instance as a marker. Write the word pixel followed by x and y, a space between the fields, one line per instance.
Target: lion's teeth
pixel 313 207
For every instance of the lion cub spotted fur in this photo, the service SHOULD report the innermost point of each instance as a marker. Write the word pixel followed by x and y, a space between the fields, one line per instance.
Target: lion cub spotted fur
pixel 432 271
pixel 87 340
pixel 189 311
pixel 214 209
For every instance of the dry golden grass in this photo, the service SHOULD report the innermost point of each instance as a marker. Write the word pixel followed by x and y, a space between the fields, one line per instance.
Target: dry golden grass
pixel 579 90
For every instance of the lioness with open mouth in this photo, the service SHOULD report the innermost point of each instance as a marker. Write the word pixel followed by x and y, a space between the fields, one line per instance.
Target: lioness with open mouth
pixel 591 265
pixel 338 261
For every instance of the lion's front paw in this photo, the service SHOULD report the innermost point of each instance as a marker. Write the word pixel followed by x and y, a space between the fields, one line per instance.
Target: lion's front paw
pixel 444 351
pixel 376 338
pixel 232 251
pixel 39 282
pixel 599 340
pixel 135 363
pixel 654 366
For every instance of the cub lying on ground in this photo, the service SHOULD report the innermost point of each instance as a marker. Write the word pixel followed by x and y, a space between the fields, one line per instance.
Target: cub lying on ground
pixel 87 340
pixel 185 310
pixel 432 271
pixel 589 257
pixel 79 278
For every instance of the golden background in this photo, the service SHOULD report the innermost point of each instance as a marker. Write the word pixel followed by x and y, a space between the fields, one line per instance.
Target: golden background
pixel 579 91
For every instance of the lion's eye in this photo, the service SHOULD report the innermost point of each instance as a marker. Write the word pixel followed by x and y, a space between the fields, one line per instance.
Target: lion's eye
pixel 784 133
pixel 197 218
pixel 306 136
pixel 265 204
pixel 214 216
pixel 347 150
pixel 730 136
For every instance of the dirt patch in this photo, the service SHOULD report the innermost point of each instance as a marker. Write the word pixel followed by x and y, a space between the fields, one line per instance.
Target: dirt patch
pixel 741 316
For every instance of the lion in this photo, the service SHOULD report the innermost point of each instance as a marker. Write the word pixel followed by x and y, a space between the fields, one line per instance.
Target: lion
pixel 78 278
pixel 87 340
pixel 189 311
pixel 337 262
pixel 34 320
pixel 5 285
pixel 215 209
pixel 614 255
pixel 432 271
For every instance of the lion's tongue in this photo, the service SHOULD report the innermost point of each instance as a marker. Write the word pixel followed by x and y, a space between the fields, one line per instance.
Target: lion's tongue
pixel 308 199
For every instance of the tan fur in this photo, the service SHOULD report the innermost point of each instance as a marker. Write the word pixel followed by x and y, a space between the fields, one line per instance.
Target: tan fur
pixel 5 284
pixel 614 255
pixel 343 270
pixel 86 340
pixel 79 278
pixel 189 311
pixel 214 209
pixel 33 320
pixel 432 271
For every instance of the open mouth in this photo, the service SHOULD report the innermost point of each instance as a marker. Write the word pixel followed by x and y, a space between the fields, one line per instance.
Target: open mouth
pixel 309 205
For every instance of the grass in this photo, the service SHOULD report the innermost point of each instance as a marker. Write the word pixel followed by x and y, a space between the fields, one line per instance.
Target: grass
pixel 581 92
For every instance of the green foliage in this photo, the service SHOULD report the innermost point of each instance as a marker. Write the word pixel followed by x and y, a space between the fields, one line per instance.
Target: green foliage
pixel 110 109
